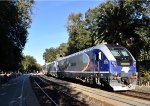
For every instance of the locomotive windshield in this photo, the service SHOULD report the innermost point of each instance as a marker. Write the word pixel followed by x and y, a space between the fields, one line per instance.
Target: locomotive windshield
pixel 121 54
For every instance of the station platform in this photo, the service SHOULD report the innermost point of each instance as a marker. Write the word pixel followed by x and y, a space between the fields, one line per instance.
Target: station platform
pixel 18 92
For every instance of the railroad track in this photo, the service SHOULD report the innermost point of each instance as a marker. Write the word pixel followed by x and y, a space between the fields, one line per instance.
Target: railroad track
pixel 52 102
pixel 109 95
pixel 136 94
pixel 55 96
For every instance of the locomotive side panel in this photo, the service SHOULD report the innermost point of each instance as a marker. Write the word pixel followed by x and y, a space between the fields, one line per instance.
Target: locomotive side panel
pixel 75 66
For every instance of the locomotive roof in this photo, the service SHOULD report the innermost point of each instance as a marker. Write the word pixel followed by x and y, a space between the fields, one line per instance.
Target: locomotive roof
pixel 85 50
pixel 100 46
pixel 113 45
pixel 50 63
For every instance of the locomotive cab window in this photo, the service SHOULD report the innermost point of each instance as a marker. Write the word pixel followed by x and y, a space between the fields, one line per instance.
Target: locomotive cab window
pixel 119 52
pixel 122 56
pixel 98 56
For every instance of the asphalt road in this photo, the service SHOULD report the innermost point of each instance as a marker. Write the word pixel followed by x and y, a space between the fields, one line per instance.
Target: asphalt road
pixel 18 92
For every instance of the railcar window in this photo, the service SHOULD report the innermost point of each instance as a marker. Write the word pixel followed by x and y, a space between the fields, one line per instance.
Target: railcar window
pixel 73 64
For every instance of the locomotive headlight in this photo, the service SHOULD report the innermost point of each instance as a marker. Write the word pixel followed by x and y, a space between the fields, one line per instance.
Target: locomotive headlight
pixel 115 76
pixel 114 64
pixel 135 74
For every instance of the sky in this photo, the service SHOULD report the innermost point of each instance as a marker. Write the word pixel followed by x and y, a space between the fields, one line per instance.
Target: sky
pixel 49 21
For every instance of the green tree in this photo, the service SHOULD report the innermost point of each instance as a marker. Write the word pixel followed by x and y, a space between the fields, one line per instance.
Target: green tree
pixel 15 19
pixel 50 55
pixel 62 50
pixel 91 25
pixel 29 64
pixel 145 36
pixel 117 23
pixel 78 35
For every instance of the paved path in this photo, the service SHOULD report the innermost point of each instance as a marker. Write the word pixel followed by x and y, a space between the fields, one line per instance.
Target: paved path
pixel 18 92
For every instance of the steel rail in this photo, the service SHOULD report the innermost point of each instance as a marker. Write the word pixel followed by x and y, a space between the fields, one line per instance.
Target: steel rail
pixel 136 94
pixel 60 90
pixel 45 93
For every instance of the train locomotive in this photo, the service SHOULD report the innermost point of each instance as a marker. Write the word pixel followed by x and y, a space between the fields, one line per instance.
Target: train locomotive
pixel 104 64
